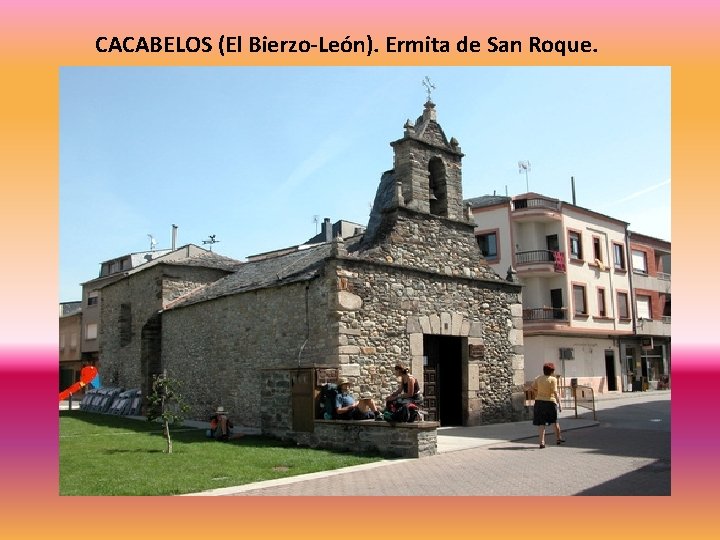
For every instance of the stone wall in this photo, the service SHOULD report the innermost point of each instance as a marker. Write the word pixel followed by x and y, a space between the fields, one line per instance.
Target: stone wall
pixel 426 242
pixel 127 306
pixel 407 440
pixel 221 349
pixel 396 306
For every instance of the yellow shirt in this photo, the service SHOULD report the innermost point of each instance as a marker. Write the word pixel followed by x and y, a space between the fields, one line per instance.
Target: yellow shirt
pixel 545 388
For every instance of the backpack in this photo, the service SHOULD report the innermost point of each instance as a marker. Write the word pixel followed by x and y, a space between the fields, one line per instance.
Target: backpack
pixel 328 403
pixel 402 412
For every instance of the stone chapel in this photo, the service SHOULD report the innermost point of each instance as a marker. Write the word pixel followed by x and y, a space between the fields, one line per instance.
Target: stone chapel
pixel 413 287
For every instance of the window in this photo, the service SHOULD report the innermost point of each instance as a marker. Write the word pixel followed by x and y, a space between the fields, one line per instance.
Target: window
pixel 623 308
pixel 597 249
pixel 91 331
pixel 575 241
pixel 643 307
pixel 579 303
pixel 488 245
pixel 639 262
pixel 62 342
pixel 73 341
pixel 619 256
pixel 92 299
pixel 601 303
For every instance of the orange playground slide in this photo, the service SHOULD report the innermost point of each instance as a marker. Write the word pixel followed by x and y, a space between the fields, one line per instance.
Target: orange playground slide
pixel 87 374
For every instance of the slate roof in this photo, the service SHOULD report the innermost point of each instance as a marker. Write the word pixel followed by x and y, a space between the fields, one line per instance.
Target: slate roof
pixel 487 200
pixel 300 265
pixel 208 259
pixel 70 308
pixel 142 257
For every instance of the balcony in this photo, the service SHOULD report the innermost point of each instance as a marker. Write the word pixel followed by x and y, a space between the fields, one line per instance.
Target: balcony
pixel 661 283
pixel 545 314
pixel 536 209
pixel 654 327
pixel 545 318
pixel 539 262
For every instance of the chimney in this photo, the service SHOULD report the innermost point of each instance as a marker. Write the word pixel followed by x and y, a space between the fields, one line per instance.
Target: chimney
pixel 327 230
pixel 572 182
pixel 174 235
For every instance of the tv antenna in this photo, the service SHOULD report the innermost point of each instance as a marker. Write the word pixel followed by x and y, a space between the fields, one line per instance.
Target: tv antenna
pixel 524 167
pixel 153 242
pixel 211 240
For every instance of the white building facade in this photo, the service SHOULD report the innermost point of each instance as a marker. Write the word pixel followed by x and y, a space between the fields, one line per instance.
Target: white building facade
pixel 577 296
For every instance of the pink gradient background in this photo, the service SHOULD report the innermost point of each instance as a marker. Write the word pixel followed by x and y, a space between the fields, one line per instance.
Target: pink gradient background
pixel 38 37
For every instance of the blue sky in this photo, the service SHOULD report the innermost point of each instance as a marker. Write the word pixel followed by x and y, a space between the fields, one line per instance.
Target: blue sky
pixel 251 155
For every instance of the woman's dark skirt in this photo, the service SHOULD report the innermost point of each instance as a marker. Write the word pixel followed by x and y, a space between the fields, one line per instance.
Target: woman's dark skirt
pixel 544 413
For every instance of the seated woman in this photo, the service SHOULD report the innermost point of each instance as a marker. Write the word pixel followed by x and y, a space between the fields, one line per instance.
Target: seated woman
pixel 409 389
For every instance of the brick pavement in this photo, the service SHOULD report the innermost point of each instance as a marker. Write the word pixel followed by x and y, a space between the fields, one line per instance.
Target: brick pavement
pixel 595 461
pixel 599 460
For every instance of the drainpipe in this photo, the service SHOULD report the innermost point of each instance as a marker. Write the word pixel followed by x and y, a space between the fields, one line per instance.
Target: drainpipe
pixel 628 254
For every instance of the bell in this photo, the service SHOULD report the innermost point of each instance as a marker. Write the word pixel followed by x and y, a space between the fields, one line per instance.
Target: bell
pixel 433 197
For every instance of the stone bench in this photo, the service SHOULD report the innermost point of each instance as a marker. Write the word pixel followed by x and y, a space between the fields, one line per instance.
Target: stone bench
pixel 397 439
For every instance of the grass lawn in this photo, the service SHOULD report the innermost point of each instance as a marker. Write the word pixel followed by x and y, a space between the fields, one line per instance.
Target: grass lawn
pixel 109 455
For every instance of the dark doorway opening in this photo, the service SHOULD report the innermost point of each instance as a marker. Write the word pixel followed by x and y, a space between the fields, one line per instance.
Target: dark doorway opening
pixel 610 370
pixel 443 380
pixel 556 301
pixel 552 242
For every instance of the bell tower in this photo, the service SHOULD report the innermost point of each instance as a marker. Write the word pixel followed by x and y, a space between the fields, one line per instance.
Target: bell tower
pixel 428 168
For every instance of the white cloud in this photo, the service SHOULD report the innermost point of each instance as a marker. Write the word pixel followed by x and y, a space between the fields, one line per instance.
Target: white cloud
pixel 642 192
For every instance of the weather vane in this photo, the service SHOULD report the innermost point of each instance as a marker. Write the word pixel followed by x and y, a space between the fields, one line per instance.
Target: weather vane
pixel 211 240
pixel 429 87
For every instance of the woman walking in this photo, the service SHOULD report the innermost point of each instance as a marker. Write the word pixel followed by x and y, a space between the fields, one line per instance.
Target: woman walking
pixel 547 403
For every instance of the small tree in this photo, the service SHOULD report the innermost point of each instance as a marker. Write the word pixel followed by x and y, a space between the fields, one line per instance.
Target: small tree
pixel 166 404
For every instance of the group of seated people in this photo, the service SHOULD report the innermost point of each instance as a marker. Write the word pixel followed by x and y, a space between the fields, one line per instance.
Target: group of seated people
pixel 347 408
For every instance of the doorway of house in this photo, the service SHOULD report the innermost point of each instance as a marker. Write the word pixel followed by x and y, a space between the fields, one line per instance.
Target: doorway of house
pixel 552 242
pixel 610 370
pixel 556 302
pixel 443 379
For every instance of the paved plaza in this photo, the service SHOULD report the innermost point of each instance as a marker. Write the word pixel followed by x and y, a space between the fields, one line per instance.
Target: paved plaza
pixel 626 451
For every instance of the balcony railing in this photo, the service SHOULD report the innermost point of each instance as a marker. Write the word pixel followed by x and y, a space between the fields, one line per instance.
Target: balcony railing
pixel 664 276
pixel 545 314
pixel 537 202
pixel 535 256
pixel 557 258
